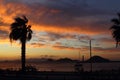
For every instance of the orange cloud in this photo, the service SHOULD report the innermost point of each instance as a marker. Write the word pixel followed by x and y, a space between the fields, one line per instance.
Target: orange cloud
pixel 43 18
pixel 59 29
pixel 47 19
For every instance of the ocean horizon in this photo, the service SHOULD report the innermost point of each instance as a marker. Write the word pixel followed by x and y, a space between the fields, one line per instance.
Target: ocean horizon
pixel 62 66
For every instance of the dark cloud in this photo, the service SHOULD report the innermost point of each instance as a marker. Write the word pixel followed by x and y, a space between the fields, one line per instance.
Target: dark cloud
pixel 2 23
pixel 48 56
pixel 52 36
pixel 69 14
pixel 37 44
pixel 64 48
pixel 106 40
pixel 84 37
pixel 61 36
pixel 76 14
pixel 107 50
pixel 3 34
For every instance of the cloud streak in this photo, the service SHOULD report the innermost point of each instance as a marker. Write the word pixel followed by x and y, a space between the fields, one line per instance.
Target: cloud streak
pixel 74 21
pixel 58 15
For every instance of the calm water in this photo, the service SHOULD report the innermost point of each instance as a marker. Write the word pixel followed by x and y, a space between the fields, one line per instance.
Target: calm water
pixel 63 66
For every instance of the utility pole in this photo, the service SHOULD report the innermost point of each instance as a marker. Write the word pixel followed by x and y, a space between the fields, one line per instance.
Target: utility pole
pixel 90 56
pixel 79 56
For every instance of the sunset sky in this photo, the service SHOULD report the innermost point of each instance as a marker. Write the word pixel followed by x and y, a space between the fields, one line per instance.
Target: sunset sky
pixel 61 28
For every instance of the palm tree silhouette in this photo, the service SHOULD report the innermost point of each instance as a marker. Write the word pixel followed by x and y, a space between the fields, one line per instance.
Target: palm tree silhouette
pixel 116 29
pixel 21 31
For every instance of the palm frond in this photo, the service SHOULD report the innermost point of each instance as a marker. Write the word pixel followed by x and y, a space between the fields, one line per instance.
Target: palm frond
pixel 115 21
pixel 115 27
pixel 22 20
pixel 15 34
pixel 116 36
pixel 25 19
pixel 29 36
pixel 14 26
pixel 29 29
pixel 19 30
pixel 19 20
pixel 29 33
pixel 118 15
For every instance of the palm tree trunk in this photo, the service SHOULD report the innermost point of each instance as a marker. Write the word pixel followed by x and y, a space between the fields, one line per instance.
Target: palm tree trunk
pixel 23 60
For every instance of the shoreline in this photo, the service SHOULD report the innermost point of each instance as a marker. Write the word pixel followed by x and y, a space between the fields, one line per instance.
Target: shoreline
pixel 55 75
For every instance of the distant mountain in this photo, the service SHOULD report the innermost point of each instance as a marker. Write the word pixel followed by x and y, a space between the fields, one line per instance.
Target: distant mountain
pixel 51 60
pixel 97 59
pixel 65 60
pixel 61 60
pixel 40 60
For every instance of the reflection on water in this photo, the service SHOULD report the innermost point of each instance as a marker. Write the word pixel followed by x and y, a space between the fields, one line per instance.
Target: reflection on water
pixel 62 66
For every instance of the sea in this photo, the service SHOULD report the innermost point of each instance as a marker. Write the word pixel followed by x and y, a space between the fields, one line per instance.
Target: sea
pixel 63 66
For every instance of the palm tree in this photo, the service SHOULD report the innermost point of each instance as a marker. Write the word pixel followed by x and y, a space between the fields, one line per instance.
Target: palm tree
pixel 116 29
pixel 21 31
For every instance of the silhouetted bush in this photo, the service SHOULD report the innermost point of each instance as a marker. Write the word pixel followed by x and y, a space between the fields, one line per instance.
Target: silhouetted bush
pixel 31 68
